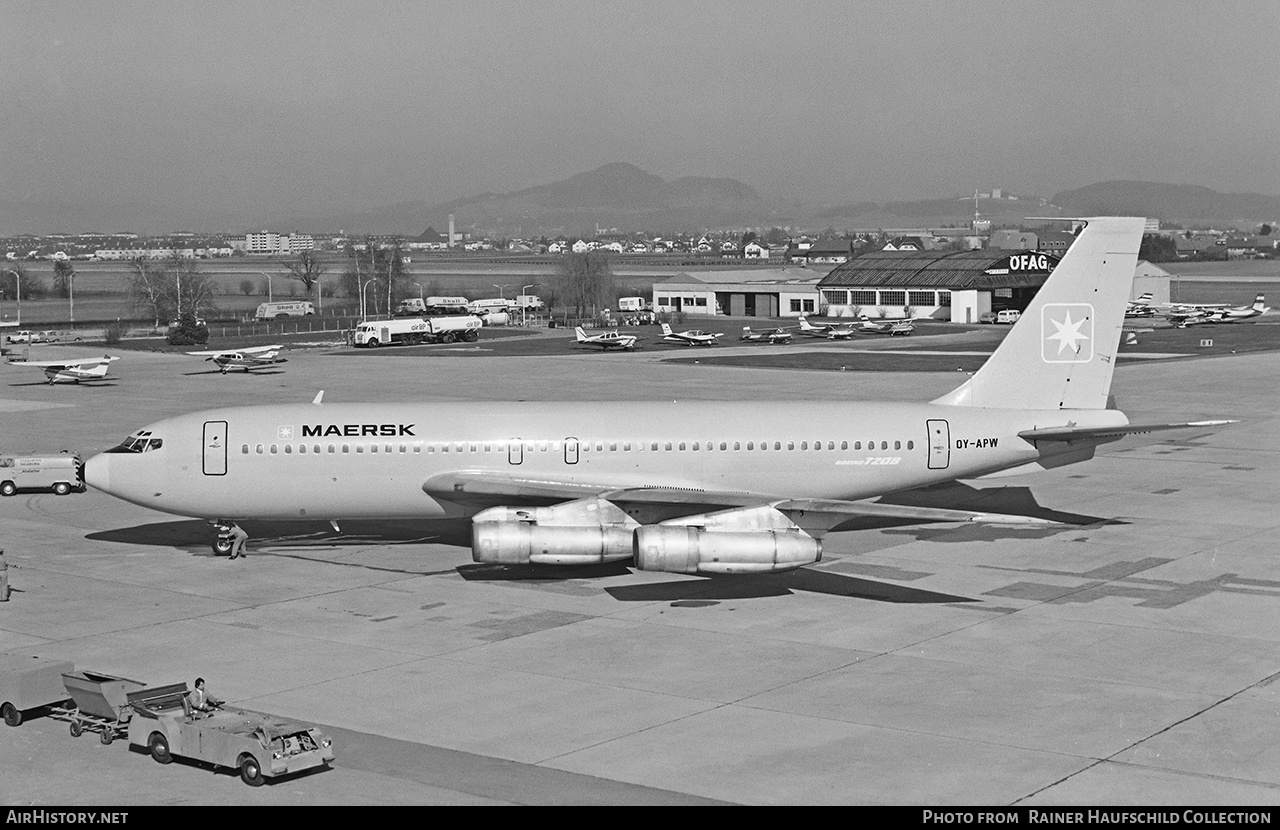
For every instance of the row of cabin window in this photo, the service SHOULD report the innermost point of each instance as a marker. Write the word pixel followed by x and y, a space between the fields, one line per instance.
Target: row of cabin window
pixel 554 446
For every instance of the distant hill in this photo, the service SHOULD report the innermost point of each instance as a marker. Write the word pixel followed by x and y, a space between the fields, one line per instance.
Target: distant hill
pixel 616 195
pixel 1177 203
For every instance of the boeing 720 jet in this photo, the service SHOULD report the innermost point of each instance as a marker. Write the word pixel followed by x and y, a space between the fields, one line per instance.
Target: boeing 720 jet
pixel 72 370
pixel 676 486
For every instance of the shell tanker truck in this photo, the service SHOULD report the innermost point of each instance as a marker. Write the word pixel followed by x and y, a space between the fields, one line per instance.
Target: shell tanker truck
pixel 415 331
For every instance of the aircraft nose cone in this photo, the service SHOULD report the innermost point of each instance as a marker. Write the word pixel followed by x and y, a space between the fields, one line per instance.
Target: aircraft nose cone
pixel 97 472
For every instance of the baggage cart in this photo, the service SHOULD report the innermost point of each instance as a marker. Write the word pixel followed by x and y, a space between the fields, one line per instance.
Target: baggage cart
pixel 99 703
pixel 28 682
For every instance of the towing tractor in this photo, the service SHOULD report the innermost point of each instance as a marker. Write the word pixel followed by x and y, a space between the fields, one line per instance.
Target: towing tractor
pixel 418 330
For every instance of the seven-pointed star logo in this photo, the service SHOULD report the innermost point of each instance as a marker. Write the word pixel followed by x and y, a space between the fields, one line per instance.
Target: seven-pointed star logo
pixel 1067 332
pixel 284 433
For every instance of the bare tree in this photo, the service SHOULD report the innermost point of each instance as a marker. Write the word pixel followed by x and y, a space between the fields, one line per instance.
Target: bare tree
pixel 585 281
pixel 165 288
pixel 64 275
pixel 306 269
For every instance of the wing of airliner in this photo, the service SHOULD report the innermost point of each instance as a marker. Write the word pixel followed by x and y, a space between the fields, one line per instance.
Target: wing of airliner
pixel 74 370
pixel 254 357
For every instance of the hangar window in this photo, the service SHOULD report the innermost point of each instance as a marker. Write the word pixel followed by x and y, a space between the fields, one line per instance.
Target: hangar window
pixel 893 298
pixel 664 301
pixel 944 299
pixel 702 301
pixel 861 296
pixel 836 297
pixel 802 306
pixel 921 298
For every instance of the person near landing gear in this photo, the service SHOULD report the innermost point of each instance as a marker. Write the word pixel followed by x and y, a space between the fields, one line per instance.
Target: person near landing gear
pixel 238 538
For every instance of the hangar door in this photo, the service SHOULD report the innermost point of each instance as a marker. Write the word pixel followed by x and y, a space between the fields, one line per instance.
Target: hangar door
pixel 939 445
pixel 215 448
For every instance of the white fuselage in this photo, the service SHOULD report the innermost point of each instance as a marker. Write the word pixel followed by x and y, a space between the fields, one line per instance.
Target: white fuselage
pixel 348 461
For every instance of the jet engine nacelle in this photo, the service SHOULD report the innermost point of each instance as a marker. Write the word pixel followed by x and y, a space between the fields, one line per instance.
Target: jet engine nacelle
pixel 522 543
pixel 692 550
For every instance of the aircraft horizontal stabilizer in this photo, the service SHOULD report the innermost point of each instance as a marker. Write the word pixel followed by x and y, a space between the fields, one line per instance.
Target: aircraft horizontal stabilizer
pixel 1101 433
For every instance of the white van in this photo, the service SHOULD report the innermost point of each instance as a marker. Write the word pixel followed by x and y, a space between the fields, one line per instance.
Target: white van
pixel 59 473
pixel 1008 316
pixel 270 311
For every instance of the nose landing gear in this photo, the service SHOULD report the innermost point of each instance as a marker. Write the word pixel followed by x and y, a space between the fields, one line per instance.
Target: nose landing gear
pixel 224 538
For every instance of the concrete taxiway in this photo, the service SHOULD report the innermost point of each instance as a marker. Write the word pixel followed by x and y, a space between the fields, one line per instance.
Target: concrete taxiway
pixel 1128 657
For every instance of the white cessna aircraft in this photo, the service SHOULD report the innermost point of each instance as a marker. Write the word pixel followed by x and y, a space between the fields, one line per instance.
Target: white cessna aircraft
pixel 676 486
pixel 73 370
pixel 890 327
pixel 773 338
pixel 829 331
pixel 255 357
pixel 606 341
pixel 693 337
pixel 1184 315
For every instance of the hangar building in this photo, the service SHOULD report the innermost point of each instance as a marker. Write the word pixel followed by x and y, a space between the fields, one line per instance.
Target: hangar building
pixel 776 292
pixel 956 285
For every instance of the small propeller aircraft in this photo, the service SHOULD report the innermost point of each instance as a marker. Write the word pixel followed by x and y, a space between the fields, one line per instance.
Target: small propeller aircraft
pixel 256 357
pixel 1193 315
pixel 693 337
pixel 825 330
pixel 73 370
pixel 775 337
pixel 1140 307
pixel 890 327
pixel 606 341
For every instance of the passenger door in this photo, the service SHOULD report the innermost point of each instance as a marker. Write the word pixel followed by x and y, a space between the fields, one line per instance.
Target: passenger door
pixel 571 450
pixel 939 444
pixel 515 451
pixel 215 448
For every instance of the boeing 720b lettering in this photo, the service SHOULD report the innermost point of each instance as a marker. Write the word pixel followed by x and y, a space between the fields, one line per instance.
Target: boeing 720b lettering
pixel 684 486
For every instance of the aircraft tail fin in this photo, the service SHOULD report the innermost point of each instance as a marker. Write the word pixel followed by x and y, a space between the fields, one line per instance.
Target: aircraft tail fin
pixel 1259 303
pixel 582 335
pixel 1061 353
pixel 1145 299
pixel 666 330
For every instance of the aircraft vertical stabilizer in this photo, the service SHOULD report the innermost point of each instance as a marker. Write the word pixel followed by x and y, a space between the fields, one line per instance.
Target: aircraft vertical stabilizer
pixel 1061 353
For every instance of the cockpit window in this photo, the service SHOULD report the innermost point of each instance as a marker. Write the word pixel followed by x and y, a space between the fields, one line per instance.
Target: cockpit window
pixel 141 441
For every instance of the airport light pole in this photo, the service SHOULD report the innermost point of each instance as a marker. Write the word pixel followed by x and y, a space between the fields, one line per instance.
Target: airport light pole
pixel 419 289
pixel 524 310
pixel 17 282
pixel 502 288
pixel 364 300
pixel 268 276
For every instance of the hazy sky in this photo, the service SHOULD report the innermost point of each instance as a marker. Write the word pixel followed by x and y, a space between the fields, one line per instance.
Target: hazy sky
pixel 320 106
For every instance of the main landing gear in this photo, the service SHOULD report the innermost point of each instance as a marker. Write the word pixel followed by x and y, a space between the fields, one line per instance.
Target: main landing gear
pixel 224 537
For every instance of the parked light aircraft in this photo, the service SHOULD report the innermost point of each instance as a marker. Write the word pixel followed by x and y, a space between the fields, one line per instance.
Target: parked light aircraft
pixel 677 486
pixel 1140 307
pixel 776 337
pixel 693 337
pixel 256 357
pixel 890 327
pixel 829 331
pixel 608 340
pixel 1191 315
pixel 73 370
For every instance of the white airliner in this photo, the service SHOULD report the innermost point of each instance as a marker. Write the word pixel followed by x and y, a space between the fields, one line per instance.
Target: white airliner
pixel 256 357
pixel 828 331
pixel 606 341
pixel 72 370
pixel 693 337
pixel 1183 315
pixel 677 486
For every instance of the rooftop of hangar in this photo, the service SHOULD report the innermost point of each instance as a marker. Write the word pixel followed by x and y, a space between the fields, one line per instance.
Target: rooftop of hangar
pixel 958 270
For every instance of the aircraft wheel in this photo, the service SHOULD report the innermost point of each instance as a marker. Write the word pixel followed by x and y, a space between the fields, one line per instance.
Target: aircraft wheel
pixel 12 714
pixel 159 746
pixel 62 488
pixel 76 728
pixel 222 546
pixel 105 736
pixel 250 772
pixel 8 488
